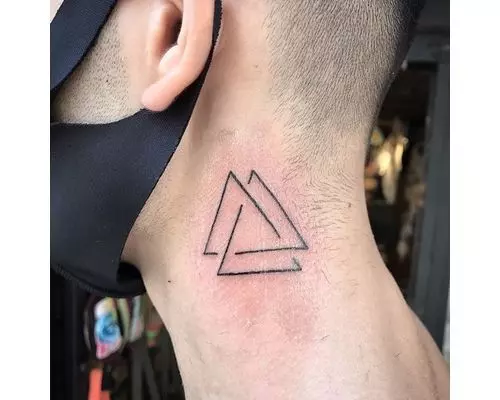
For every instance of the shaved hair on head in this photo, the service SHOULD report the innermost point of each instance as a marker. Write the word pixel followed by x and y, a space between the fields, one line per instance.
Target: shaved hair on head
pixel 98 89
pixel 332 61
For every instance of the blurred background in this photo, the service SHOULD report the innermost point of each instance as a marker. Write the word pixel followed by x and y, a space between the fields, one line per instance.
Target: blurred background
pixel 407 179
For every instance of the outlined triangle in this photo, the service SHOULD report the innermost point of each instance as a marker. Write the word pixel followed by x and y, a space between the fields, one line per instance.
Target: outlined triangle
pixel 282 235
pixel 286 228
pixel 233 195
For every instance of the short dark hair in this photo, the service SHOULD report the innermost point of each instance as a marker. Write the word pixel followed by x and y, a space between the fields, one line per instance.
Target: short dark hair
pixel 332 61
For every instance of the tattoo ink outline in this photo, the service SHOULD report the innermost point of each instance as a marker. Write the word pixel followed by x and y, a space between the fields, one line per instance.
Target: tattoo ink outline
pixel 295 263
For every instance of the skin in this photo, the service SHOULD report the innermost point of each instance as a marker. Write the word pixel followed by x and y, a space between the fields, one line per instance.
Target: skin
pixel 338 329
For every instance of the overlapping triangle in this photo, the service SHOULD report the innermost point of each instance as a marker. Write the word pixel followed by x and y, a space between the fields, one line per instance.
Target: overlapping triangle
pixel 249 225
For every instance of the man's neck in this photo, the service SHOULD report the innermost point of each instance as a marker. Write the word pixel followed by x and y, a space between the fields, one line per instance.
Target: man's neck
pixel 322 196
pixel 267 276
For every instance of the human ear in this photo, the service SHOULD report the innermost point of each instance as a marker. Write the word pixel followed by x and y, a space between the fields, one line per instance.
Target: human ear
pixel 177 59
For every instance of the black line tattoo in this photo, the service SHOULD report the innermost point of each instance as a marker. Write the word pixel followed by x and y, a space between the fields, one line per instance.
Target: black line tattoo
pixel 295 268
pixel 230 238
pixel 215 219
pixel 224 268
pixel 255 203
pixel 252 174
pixel 233 176
pixel 265 250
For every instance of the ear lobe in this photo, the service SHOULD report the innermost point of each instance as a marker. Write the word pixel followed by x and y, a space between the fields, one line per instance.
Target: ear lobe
pixel 178 63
